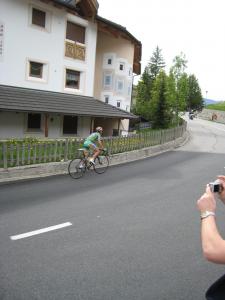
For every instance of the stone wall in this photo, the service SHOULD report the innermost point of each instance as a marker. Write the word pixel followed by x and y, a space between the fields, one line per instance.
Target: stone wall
pixel 212 115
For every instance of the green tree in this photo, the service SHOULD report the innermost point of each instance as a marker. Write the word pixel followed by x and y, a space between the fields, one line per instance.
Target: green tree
pixel 143 92
pixel 182 92
pixel 156 63
pixel 194 98
pixel 161 113
pixel 144 86
pixel 181 84
pixel 172 92
pixel 179 65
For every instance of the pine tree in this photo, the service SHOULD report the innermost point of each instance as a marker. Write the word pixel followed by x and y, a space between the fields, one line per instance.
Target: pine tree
pixel 194 98
pixel 144 87
pixel 161 113
pixel 156 63
pixel 143 95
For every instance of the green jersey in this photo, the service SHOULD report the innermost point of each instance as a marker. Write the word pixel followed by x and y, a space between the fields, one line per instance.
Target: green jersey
pixel 94 137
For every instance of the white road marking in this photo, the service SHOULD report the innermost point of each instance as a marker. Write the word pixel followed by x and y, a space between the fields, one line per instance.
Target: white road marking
pixel 39 231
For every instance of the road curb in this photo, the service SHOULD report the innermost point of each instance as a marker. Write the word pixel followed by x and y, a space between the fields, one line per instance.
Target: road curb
pixel 60 168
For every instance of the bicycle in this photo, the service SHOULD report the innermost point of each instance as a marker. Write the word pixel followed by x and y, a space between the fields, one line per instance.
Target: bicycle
pixel 78 166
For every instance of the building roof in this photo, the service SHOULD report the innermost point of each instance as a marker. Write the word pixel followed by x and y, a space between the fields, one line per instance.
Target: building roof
pixel 31 100
pixel 84 8
pixel 118 30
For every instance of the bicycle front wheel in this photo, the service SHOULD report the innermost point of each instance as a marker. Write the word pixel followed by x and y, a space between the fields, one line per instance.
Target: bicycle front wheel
pixel 101 164
pixel 76 168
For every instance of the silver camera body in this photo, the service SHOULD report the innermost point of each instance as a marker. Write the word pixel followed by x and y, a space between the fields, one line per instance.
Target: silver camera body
pixel 216 186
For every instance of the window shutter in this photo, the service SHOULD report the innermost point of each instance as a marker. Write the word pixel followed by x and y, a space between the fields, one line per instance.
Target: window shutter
pixel 75 33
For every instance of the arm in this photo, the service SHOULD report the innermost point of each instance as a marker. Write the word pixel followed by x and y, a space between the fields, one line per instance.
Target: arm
pixel 100 144
pixel 213 245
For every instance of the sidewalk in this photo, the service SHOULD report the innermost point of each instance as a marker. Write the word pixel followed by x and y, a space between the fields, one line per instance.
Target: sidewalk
pixel 59 168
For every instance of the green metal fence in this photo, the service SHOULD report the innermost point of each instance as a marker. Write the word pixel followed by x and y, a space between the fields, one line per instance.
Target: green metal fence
pixel 20 153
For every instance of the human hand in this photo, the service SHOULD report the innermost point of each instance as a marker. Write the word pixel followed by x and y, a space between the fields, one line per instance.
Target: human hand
pixel 207 201
pixel 222 194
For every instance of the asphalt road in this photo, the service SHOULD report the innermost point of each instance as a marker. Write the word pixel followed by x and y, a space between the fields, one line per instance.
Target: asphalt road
pixel 134 232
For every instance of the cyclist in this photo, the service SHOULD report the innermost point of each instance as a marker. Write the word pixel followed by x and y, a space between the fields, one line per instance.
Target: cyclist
pixel 90 141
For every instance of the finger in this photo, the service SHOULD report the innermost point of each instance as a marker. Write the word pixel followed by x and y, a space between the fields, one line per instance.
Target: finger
pixel 222 180
pixel 208 190
pixel 221 177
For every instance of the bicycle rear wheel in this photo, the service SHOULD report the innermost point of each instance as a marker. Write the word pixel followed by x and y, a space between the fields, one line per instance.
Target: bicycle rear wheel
pixel 77 168
pixel 101 164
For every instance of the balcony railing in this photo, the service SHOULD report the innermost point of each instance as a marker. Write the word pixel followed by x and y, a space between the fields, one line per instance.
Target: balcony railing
pixel 74 50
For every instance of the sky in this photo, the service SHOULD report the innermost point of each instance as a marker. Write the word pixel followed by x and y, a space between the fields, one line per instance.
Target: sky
pixel 194 27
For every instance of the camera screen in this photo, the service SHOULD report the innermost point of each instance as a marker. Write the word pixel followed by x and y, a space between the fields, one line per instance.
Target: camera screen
pixel 216 188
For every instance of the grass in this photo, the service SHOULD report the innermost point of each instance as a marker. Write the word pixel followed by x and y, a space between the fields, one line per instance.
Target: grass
pixel 217 106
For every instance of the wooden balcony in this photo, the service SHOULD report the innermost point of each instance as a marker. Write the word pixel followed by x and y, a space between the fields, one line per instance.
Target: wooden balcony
pixel 75 51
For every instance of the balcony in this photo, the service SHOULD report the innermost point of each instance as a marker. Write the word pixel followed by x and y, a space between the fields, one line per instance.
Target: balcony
pixel 74 50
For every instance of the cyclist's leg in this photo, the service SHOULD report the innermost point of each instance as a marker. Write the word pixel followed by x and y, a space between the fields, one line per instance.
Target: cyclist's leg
pixel 96 152
pixel 86 149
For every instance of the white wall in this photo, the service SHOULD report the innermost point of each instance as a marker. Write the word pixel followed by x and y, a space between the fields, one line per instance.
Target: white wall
pixel 84 124
pixel 54 126
pixel 11 125
pixel 23 41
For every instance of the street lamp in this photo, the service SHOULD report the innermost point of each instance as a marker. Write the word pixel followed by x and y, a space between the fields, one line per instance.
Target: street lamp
pixel 206 92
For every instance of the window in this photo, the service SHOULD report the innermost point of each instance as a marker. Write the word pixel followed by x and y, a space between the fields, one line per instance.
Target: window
pixel 38 17
pixel 118 104
pixel 36 69
pixel 106 99
pixel 108 80
pixel 69 125
pixel 75 33
pixel 115 132
pixel 72 79
pixel 119 86
pixel 109 60
pixel 122 67
pixel 34 121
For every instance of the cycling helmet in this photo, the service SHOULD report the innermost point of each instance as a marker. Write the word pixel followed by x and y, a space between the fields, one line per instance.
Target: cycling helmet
pixel 99 129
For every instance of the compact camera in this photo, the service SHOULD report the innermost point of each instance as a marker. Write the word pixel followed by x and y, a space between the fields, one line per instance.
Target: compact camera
pixel 216 186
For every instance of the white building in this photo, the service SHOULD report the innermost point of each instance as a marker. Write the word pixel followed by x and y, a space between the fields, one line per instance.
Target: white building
pixel 49 70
